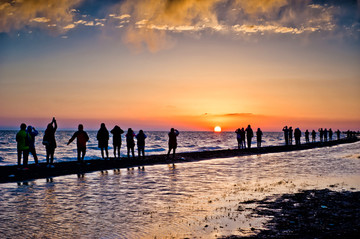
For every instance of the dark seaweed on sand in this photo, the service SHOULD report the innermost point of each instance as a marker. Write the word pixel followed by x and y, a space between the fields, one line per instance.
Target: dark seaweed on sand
pixel 310 214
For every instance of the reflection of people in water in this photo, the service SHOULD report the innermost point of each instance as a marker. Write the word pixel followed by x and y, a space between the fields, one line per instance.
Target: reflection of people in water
pixel 81 139
pixel 50 142
pixel 307 138
pixel 249 135
pixel 286 135
pixel 259 134
pixel 313 135
pixel 32 133
pixel 117 131
pixel 172 141
pixel 103 140
pixel 22 145
pixel 141 143
pixel 130 143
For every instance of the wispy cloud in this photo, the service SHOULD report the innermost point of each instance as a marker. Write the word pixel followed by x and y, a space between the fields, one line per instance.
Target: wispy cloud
pixel 15 15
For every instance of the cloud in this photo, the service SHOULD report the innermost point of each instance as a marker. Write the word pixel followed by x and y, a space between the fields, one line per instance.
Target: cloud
pixel 149 20
pixel 15 15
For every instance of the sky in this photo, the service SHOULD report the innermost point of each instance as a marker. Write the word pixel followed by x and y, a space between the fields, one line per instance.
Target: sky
pixel 188 64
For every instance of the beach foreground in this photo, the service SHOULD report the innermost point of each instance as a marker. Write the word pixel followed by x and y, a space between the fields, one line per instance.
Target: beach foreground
pixel 308 214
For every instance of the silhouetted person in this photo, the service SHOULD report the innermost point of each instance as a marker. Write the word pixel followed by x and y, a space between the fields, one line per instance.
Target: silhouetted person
pixel 259 134
pixel 130 143
pixel 313 135
pixel 286 135
pixel 290 135
pixel 32 133
pixel 117 131
pixel 330 134
pixel 141 143
pixel 243 144
pixel 22 145
pixel 249 135
pixel 103 140
pixel 81 139
pixel 321 134
pixel 238 137
pixel 172 141
pixel 325 135
pixel 307 138
pixel 338 134
pixel 50 142
pixel 297 136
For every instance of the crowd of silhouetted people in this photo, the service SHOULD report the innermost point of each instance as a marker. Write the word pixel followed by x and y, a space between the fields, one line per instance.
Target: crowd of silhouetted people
pixel 26 140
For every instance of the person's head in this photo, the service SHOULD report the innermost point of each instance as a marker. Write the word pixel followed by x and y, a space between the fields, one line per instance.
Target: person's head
pixel 258 129
pixel 102 125
pixel 172 130
pixel 141 132
pixel 130 130
pixel 29 128
pixel 81 127
pixel 23 126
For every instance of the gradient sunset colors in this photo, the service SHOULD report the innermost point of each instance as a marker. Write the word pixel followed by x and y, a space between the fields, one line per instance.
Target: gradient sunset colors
pixel 188 64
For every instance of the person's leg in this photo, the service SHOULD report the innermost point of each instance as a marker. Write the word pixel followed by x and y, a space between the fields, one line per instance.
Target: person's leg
pixel 52 155
pixel 19 153
pixel 102 152
pixel 132 151
pixel 83 154
pixel 26 157
pixel 128 152
pixel 35 156
pixel 78 154
pixel 107 152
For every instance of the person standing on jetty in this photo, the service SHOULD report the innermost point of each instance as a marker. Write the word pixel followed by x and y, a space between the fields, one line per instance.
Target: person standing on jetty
pixel 117 131
pixel 50 142
pixel 243 144
pixel 307 138
pixel 286 135
pixel 330 134
pixel 313 135
pixel 141 143
pixel 238 138
pixel 259 134
pixel 172 141
pixel 290 135
pixel 32 132
pixel 249 135
pixel 81 138
pixel 22 145
pixel 103 140
pixel 325 135
pixel 297 136
pixel 321 134
pixel 338 134
pixel 130 143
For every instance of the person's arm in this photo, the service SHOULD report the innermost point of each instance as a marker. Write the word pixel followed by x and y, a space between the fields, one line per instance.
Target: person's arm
pixel 177 132
pixel 72 138
pixel 35 131
pixel 121 131
pixel 55 124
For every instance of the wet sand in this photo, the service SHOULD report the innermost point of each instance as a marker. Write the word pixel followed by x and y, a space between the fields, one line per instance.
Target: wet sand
pixel 15 174
pixel 308 214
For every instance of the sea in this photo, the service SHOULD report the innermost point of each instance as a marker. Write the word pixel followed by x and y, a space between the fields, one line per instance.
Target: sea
pixel 183 200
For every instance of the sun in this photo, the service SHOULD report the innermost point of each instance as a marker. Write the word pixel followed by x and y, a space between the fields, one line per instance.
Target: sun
pixel 217 129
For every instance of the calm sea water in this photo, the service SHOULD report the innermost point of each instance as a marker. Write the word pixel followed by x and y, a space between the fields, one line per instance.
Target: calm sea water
pixel 156 143
pixel 197 199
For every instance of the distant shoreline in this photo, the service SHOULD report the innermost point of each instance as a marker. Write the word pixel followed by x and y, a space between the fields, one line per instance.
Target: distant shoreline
pixel 14 174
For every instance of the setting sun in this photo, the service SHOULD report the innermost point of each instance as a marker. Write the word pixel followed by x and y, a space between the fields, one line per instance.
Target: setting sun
pixel 217 129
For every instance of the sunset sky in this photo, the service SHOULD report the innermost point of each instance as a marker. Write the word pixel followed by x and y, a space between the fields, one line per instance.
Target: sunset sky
pixel 189 64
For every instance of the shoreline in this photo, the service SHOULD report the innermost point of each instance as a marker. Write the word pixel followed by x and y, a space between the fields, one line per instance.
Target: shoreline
pixel 14 174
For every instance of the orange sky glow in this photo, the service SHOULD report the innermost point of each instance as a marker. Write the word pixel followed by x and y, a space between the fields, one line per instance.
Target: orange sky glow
pixel 154 65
